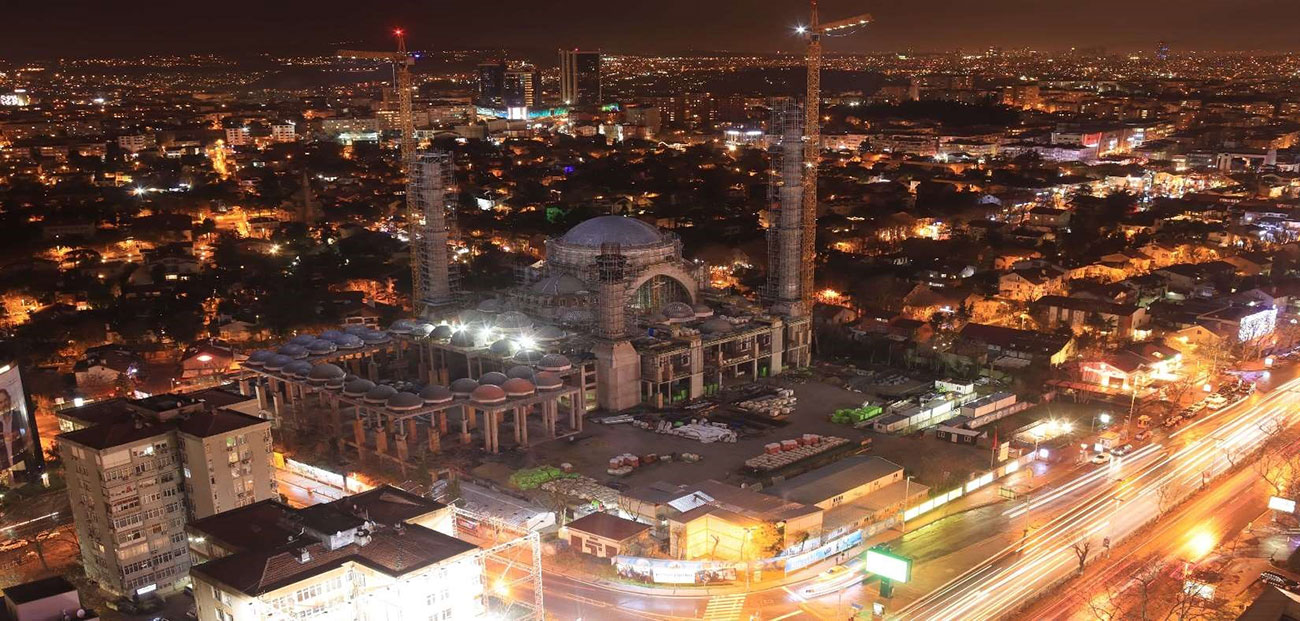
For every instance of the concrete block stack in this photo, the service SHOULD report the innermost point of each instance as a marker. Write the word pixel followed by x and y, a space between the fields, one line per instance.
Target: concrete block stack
pixel 779 404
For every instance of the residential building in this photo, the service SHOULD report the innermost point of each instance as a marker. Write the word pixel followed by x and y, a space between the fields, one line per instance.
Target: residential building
pixel 381 554
pixel 284 132
pixel 134 143
pixel 50 599
pixel 137 471
pixel 1087 314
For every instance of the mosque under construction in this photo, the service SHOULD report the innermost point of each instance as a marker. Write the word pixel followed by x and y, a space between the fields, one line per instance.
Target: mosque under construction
pixel 613 318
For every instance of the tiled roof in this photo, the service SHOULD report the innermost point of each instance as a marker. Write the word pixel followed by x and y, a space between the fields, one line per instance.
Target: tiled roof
pixel 608 526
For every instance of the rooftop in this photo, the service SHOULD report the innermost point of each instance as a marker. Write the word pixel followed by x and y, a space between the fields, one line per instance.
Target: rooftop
pixel 835 479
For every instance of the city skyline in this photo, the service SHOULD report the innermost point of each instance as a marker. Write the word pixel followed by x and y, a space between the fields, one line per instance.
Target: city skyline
pixel 80 29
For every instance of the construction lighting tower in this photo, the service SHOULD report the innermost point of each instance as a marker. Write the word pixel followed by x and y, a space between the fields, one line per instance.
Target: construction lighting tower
pixel 813 34
pixel 402 62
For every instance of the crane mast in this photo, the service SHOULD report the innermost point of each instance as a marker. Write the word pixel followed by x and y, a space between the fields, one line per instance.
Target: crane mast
pixel 812 142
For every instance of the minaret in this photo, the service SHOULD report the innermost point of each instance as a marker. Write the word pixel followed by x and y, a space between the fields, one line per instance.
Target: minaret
pixel 432 200
pixel 786 213
pixel 618 367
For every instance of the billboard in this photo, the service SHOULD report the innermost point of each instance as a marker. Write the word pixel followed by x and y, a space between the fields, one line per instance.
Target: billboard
pixel 15 422
pixel 888 566
pixel 1285 505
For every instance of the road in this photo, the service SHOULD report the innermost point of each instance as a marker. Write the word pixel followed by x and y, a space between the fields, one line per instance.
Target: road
pixel 1105 505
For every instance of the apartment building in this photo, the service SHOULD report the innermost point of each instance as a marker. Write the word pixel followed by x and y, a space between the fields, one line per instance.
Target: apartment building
pixel 138 470
pixel 383 554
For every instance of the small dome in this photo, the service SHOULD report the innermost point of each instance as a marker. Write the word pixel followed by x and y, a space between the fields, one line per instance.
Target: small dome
pixel 463 386
pixel 358 387
pixel 549 334
pixel 495 378
pixel 717 325
pixel 441 333
pixel 380 394
pixel 321 347
pixel 528 356
pixel 512 321
pixel 518 387
pixel 334 384
pixel 277 362
pixel 612 230
pixel 560 284
pixel 702 311
pixel 402 326
pixel 434 393
pixel 293 350
pixel 504 347
pixel 678 311
pixel 554 362
pixel 331 335
pixel 326 371
pixel 258 358
pixel 463 338
pixel 488 395
pixel 521 371
pixel 349 341
pixel 548 381
pixel 473 317
pixel 575 316
pixel 374 336
pixel 405 401
pixel 657 317
pixel 299 369
pixel 302 339
pixel 356 328
pixel 491 305
pixel 422 330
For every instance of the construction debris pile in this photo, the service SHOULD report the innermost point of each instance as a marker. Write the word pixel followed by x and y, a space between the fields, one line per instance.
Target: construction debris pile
pixel 781 454
pixel 584 489
pixel 774 405
pixel 698 429
pixel 623 465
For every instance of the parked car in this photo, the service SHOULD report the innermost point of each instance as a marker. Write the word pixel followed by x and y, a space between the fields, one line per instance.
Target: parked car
pixel 1100 458
pixel 1142 436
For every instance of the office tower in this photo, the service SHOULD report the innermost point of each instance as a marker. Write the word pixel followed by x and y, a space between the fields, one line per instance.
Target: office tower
pixel 521 86
pixel 580 78
pixel 381 554
pixel 137 471
pixel 1162 50
pixel 491 82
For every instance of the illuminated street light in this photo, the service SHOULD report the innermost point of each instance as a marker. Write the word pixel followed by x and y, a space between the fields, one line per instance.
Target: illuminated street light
pixel 1105 418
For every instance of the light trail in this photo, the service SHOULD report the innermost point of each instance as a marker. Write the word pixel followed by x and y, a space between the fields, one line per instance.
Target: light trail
pixel 1092 506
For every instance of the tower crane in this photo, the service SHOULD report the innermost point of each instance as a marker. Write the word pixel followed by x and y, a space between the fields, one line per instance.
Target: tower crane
pixel 813 33
pixel 402 62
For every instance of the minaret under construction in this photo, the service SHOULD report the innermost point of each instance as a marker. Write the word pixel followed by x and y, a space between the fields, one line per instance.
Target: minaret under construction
pixel 432 198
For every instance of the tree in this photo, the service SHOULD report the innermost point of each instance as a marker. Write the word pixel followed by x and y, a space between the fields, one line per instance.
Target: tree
pixel 1081 549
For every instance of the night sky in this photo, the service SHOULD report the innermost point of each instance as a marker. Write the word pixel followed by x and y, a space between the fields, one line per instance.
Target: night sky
pixel 44 29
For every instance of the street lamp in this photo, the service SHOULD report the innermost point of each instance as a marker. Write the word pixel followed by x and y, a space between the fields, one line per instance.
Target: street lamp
pixel 907 493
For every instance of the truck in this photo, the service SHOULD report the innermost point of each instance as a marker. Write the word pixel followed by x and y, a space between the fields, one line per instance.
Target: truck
pixel 1110 440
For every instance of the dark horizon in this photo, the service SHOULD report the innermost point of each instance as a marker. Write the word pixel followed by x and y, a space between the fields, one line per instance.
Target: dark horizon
pixel 85 28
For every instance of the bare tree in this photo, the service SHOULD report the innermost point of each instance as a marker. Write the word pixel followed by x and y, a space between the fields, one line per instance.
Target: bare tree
pixel 1081 549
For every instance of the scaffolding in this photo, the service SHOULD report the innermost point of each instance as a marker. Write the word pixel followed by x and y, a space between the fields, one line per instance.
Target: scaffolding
pixel 611 285
pixel 789 227
pixel 431 213
pixel 511 565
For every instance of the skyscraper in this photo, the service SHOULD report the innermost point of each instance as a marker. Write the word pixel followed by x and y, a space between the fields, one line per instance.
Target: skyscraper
pixel 521 85
pixel 491 82
pixel 580 78
pixel 1162 50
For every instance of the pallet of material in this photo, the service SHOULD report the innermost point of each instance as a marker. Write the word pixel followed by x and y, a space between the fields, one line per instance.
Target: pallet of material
pixel 778 455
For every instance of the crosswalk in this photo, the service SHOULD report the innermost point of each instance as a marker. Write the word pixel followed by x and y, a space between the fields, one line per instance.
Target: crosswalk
pixel 725 607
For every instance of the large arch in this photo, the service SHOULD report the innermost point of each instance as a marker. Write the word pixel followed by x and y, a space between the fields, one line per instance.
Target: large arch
pixel 673 284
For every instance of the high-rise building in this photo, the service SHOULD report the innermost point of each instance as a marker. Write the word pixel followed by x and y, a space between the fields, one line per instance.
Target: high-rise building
pixel 138 470
pixel 491 84
pixel 580 78
pixel 521 86
pixel 1162 50
pixel 381 554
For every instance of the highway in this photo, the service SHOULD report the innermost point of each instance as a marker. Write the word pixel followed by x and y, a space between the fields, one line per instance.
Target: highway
pixel 1106 504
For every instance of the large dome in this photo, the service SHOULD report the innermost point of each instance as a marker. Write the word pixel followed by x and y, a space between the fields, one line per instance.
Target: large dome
pixel 612 230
